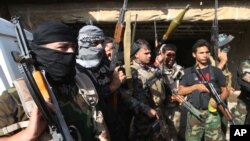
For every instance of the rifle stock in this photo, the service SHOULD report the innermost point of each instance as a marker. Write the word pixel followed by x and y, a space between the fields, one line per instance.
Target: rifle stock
pixel 37 85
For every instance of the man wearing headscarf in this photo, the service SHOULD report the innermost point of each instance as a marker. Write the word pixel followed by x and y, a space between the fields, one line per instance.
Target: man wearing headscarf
pixel 91 60
pixel 53 49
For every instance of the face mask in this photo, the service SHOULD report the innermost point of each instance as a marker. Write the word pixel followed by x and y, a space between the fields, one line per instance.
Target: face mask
pixel 89 57
pixel 59 66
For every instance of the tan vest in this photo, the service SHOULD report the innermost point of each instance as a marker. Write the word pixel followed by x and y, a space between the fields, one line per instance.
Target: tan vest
pixel 157 89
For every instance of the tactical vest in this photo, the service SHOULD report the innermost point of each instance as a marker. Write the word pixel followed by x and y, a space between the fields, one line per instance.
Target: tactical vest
pixel 89 93
pixel 157 90
pixel 199 99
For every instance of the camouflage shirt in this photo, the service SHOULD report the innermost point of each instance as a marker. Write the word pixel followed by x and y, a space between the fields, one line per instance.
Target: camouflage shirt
pixel 76 112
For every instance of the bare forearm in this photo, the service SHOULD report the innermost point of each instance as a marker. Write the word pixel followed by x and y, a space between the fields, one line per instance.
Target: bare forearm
pixel 221 64
pixel 186 90
pixel 224 93
pixel 23 135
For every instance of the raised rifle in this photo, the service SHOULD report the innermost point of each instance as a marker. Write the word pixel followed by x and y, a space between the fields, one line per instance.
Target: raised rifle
pixel 221 104
pixel 118 35
pixel 214 41
pixel 38 86
pixel 214 34
pixel 156 36
pixel 117 49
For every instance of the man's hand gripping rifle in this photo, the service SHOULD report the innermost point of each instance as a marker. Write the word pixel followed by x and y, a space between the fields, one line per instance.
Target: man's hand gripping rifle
pixel 179 98
pixel 221 104
pixel 38 87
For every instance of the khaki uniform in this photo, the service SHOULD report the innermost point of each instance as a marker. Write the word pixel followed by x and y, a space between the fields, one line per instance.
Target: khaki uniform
pixel 144 128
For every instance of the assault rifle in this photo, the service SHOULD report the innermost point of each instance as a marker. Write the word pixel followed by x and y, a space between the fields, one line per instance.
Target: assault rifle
pixel 221 104
pixel 156 36
pixel 187 105
pixel 118 35
pixel 150 81
pixel 117 49
pixel 39 87
pixel 214 34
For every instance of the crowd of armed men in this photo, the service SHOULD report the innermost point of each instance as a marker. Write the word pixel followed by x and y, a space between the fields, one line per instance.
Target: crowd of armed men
pixel 97 103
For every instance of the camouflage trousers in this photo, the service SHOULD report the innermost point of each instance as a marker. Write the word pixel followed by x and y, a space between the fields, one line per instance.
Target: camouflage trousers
pixel 173 121
pixel 239 112
pixel 210 128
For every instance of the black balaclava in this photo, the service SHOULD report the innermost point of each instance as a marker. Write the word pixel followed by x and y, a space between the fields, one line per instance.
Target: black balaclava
pixel 59 66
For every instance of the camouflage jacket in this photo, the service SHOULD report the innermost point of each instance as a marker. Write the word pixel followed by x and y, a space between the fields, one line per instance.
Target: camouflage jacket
pixel 75 110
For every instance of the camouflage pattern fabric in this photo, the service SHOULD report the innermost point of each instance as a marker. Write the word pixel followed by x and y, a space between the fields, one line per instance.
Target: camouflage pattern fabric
pixel 77 113
pixel 11 105
pixel 173 110
pixel 211 127
pixel 239 112
pixel 144 128
pixel 173 121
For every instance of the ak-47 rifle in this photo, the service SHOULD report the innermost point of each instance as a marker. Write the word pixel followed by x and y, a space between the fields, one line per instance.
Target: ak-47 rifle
pixel 215 45
pixel 221 104
pixel 156 36
pixel 214 34
pixel 38 86
pixel 187 105
pixel 158 74
pixel 173 25
pixel 118 35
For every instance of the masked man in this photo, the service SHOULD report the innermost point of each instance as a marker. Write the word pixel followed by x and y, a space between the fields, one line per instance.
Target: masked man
pixel 53 48
pixel 91 60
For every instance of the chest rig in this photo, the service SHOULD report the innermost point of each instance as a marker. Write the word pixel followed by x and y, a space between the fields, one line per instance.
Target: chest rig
pixel 156 87
pixel 89 93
